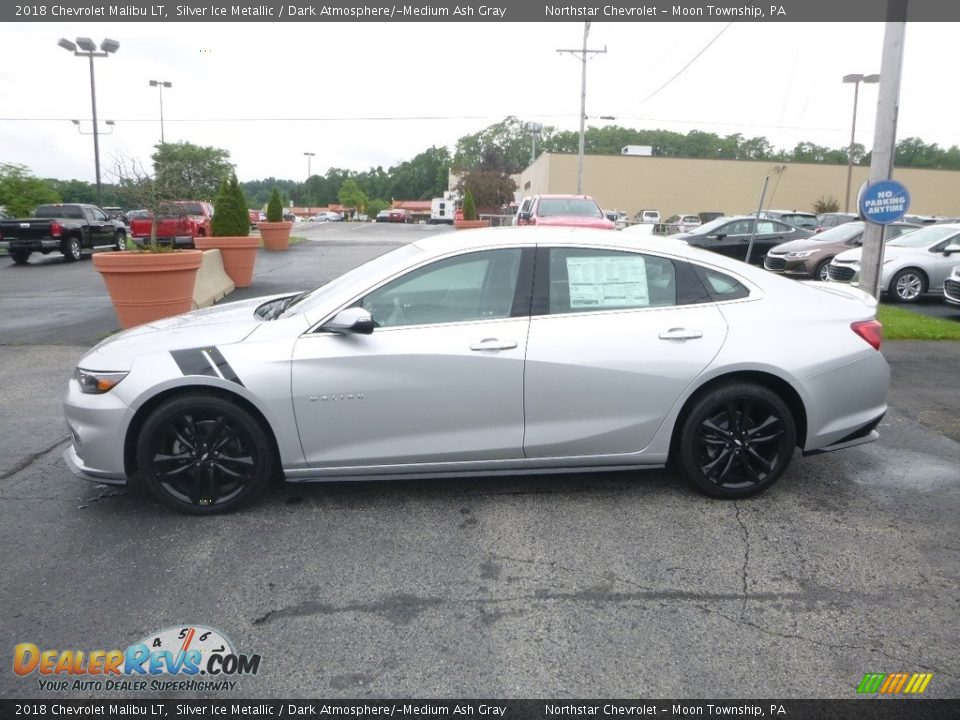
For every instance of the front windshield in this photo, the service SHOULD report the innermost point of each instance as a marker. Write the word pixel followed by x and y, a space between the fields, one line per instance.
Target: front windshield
pixel 374 269
pixel 568 207
pixel 923 237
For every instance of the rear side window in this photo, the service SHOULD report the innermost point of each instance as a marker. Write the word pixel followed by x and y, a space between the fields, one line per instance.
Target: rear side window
pixel 721 286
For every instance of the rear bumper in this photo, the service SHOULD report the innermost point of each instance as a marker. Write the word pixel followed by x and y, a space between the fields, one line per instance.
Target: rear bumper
pixel 31 245
pixel 177 240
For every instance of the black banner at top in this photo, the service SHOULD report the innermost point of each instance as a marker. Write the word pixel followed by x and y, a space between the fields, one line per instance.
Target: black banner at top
pixel 316 11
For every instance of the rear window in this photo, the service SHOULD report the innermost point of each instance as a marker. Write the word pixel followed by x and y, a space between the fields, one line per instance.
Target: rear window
pixel 72 212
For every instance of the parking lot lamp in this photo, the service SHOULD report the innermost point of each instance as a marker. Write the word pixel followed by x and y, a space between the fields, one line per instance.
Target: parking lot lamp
pixel 161 84
pixel 88 49
pixel 856 79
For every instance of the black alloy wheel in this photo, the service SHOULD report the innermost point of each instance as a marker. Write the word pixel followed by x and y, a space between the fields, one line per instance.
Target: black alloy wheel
pixel 736 441
pixel 204 455
pixel 71 249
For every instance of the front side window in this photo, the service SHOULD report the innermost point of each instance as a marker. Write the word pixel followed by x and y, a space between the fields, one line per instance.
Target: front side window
pixel 740 227
pixel 475 286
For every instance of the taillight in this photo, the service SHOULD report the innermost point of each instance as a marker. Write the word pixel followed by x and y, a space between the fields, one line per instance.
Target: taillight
pixel 869 330
pixel 55 229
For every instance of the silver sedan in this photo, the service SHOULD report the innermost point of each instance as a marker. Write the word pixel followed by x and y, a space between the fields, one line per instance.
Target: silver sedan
pixel 490 351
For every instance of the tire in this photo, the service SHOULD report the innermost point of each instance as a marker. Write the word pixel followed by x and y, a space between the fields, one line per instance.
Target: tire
pixel 71 249
pixel 736 441
pixel 121 243
pixel 20 257
pixel 821 273
pixel 908 285
pixel 203 455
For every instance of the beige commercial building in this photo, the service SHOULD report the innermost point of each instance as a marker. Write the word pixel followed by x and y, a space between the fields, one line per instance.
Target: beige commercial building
pixel 689 185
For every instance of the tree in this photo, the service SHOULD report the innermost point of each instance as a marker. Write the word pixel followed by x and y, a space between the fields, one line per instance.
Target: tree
pixel 375 206
pixel 138 189
pixel 490 190
pixel 275 207
pixel 230 217
pixel 351 196
pixel 21 192
pixel 469 207
pixel 190 172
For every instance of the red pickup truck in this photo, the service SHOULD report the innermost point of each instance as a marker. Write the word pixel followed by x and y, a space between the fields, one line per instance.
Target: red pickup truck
pixel 178 223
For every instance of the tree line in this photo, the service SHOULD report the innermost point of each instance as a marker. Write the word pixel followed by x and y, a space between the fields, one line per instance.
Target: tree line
pixel 483 161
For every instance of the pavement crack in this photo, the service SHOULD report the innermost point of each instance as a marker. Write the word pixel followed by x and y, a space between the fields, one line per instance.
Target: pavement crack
pixel 920 664
pixel 746 558
pixel 32 458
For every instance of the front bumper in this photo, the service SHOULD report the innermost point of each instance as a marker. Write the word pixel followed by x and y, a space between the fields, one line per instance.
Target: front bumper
pixel 98 425
pixel 791 268
pixel 951 290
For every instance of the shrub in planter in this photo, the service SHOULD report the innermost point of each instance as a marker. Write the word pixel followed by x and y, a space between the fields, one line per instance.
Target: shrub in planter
pixel 231 233
pixel 470 217
pixel 275 232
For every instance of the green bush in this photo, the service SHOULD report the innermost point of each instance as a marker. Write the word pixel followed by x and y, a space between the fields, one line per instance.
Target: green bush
pixel 275 207
pixel 230 215
pixel 469 207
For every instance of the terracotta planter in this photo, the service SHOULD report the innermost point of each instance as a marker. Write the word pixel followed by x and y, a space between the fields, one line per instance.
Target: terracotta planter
pixel 470 224
pixel 239 255
pixel 276 235
pixel 148 286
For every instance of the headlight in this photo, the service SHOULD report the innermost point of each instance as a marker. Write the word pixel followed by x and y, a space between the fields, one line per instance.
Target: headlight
pixel 96 382
pixel 800 254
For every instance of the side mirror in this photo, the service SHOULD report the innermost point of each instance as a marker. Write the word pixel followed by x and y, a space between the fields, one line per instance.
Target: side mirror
pixel 719 236
pixel 524 216
pixel 951 248
pixel 350 321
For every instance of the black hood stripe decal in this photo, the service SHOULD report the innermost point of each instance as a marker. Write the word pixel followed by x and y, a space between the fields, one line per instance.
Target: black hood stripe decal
pixel 197 361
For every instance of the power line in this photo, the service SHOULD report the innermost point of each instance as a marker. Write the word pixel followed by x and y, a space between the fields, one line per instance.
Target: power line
pixel 680 71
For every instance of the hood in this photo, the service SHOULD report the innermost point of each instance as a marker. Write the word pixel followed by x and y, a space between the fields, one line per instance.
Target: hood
pixel 851 255
pixel 799 245
pixel 218 325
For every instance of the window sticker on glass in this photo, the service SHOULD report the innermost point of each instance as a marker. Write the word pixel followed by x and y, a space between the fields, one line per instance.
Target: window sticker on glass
pixel 607 282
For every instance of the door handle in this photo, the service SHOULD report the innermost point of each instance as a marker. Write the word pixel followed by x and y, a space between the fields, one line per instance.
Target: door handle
pixel 494 344
pixel 680 334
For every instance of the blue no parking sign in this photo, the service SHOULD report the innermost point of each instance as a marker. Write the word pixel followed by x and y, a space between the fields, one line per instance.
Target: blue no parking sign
pixel 884 202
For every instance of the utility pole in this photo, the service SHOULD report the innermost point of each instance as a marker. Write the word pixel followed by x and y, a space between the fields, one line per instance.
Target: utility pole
pixel 885 137
pixel 583 53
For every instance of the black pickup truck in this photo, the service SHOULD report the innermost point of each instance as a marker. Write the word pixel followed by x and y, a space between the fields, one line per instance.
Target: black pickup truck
pixel 70 229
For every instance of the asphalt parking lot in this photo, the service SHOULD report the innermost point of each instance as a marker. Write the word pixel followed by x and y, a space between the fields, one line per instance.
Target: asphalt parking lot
pixel 612 585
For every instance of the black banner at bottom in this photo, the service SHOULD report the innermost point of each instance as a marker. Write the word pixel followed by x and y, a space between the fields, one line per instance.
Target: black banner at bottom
pixel 854 709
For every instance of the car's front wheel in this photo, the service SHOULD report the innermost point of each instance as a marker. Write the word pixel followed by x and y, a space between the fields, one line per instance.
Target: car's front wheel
pixel 203 455
pixel 908 285
pixel 822 272
pixel 121 243
pixel 736 440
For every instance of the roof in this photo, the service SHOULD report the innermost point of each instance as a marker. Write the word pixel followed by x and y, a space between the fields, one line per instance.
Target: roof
pixel 412 205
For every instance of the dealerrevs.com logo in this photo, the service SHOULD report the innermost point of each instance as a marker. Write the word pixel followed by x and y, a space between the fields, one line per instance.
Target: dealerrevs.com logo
pixel 894 683
pixel 188 658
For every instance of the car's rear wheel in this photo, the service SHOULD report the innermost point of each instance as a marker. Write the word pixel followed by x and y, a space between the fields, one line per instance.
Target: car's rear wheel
pixel 736 440
pixel 71 249
pixel 908 285
pixel 121 243
pixel 204 455
pixel 20 257
pixel 822 272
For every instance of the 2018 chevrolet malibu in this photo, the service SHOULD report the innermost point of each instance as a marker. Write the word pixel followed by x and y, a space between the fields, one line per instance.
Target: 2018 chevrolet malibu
pixel 504 350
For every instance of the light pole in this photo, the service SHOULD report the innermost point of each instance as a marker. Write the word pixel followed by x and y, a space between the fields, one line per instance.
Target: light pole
pixel 856 79
pixel 306 190
pixel 89 50
pixel 109 123
pixel 583 53
pixel 161 84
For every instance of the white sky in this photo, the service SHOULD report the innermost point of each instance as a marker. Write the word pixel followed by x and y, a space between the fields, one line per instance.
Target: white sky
pixel 782 81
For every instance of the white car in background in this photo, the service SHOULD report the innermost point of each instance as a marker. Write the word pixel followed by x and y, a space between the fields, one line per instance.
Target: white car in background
pixel 913 264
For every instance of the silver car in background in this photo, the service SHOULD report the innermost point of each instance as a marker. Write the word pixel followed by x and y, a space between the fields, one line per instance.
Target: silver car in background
pixel 913 264
pixel 531 350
